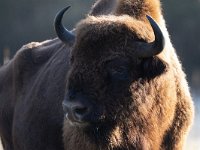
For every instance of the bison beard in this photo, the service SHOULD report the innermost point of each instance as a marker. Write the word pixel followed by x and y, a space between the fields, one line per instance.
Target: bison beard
pixel 116 76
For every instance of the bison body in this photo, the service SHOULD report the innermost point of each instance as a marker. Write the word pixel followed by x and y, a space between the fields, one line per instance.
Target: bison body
pixel 31 113
pixel 116 84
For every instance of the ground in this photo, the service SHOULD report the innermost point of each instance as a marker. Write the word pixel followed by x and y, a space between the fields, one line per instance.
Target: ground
pixel 1 146
pixel 194 136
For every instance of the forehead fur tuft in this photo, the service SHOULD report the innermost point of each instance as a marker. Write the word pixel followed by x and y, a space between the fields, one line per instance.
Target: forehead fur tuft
pixel 102 26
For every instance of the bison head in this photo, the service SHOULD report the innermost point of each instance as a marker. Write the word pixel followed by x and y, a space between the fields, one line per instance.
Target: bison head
pixel 111 58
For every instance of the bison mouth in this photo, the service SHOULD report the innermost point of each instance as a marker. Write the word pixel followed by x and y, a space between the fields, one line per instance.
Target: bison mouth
pixel 82 111
pixel 98 131
pixel 82 116
pixel 90 121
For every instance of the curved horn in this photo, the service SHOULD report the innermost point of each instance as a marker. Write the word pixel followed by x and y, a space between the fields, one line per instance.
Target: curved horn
pixel 157 46
pixel 62 33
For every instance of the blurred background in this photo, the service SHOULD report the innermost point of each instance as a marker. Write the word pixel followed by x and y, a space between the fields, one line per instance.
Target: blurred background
pixel 24 21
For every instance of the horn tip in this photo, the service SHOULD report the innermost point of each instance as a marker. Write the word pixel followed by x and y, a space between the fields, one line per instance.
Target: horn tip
pixel 150 18
pixel 63 34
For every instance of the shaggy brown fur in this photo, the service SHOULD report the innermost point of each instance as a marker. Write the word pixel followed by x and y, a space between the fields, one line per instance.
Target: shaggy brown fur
pixel 146 101
pixel 159 110
pixel 139 8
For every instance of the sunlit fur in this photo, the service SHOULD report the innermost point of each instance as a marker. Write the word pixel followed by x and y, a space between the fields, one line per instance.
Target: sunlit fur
pixel 159 111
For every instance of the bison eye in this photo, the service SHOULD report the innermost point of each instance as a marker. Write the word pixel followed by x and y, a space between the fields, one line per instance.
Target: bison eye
pixel 118 73
pixel 118 70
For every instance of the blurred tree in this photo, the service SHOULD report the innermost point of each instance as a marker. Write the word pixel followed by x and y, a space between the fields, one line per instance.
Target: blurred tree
pixel 183 24
pixel 24 21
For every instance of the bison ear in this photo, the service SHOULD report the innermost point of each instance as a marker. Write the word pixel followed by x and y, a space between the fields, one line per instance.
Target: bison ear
pixel 152 67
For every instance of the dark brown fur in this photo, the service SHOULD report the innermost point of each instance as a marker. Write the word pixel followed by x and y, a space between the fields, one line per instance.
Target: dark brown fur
pixel 152 109
pixel 30 118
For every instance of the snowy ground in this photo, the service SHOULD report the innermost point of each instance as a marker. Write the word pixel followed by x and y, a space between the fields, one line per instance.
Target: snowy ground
pixel 1 146
pixel 193 141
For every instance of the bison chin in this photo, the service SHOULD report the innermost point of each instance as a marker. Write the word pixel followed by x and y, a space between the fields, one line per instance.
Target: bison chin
pixel 104 137
pixel 92 137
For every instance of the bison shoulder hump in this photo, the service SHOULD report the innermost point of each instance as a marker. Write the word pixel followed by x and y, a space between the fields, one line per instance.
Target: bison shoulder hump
pixel 35 54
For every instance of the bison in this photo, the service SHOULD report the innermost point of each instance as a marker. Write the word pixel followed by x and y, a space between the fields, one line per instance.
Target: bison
pixel 113 83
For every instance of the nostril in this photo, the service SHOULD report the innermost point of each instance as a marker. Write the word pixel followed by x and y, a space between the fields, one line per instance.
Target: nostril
pixel 80 113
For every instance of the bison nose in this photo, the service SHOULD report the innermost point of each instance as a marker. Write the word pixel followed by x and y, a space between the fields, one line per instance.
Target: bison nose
pixel 76 111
